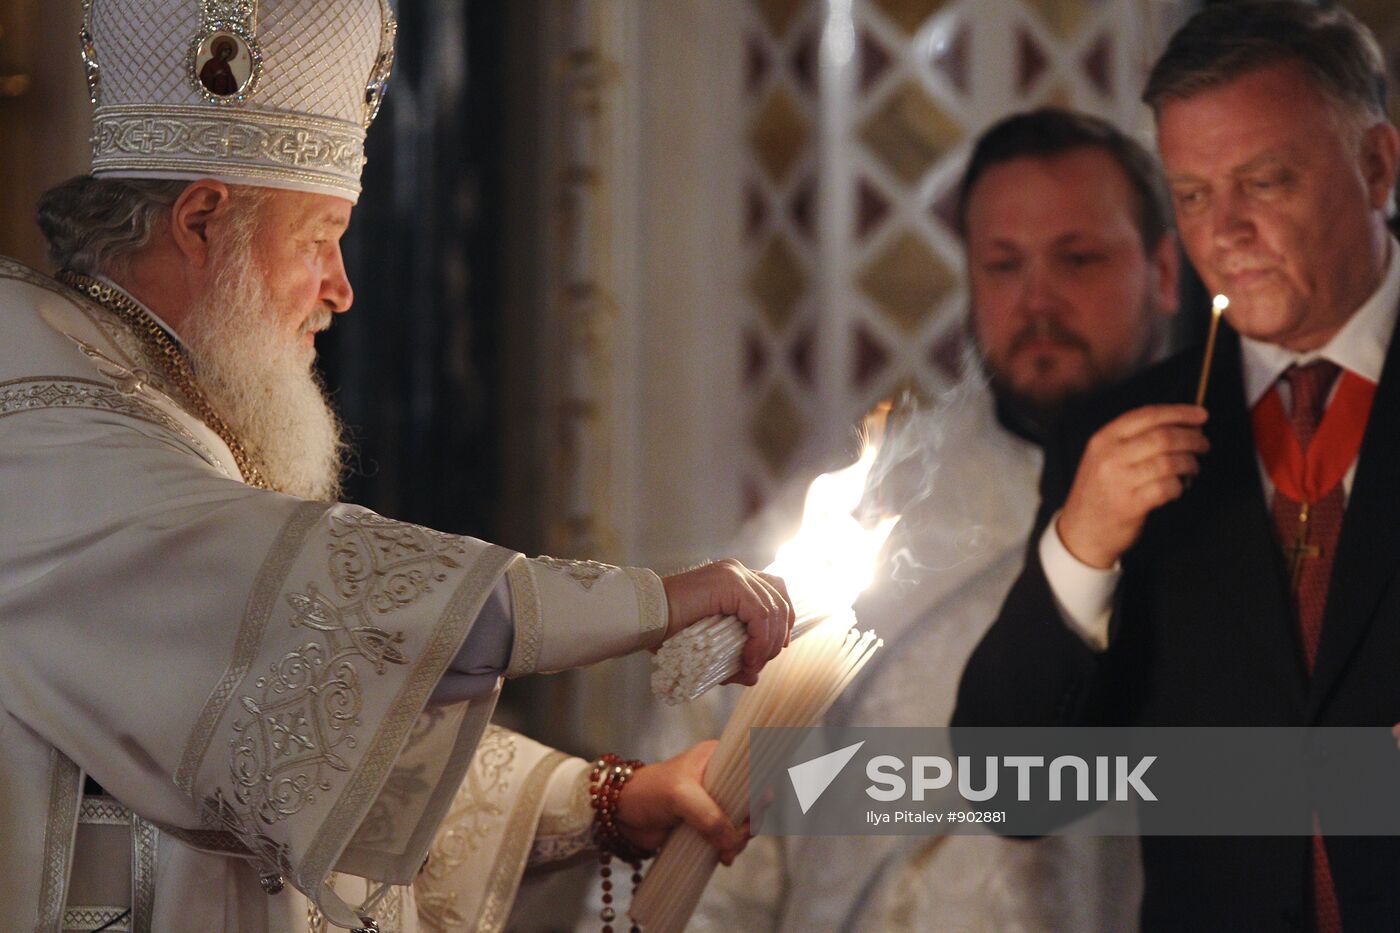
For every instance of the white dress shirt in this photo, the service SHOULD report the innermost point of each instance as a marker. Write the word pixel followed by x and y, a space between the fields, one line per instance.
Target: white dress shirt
pixel 1084 594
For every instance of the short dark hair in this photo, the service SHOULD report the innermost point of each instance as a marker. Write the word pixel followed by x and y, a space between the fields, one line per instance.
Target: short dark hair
pixel 1227 40
pixel 1053 131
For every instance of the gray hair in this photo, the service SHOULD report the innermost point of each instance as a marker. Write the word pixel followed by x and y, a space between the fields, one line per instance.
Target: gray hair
pixel 1227 40
pixel 97 225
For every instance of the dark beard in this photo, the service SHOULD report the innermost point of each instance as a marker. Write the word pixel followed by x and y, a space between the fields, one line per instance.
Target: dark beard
pixel 1023 416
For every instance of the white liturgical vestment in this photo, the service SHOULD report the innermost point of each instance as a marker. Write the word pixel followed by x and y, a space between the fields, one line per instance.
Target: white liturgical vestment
pixel 968 499
pixel 249 676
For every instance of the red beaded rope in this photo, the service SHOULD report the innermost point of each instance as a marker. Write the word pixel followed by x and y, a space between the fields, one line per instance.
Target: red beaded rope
pixel 609 775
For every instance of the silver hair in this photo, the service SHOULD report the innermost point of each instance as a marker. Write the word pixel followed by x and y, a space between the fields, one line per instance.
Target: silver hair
pixel 97 225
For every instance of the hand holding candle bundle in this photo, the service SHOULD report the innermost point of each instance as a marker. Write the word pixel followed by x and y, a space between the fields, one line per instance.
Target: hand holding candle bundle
pixel 756 602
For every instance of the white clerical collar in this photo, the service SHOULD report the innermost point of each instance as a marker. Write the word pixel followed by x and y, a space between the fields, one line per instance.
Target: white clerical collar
pixel 142 305
pixel 1359 346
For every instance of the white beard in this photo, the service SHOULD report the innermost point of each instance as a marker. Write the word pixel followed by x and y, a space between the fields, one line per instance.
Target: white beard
pixel 262 384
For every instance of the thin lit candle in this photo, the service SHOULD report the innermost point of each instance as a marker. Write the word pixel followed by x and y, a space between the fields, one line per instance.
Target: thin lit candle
pixel 1217 310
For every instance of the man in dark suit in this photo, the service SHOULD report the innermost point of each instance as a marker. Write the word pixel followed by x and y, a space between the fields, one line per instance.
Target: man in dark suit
pixel 1213 566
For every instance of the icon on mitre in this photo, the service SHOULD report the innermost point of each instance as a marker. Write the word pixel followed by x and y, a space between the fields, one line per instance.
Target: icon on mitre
pixel 223 65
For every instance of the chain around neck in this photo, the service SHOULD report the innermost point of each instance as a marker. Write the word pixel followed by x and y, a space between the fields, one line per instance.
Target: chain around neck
pixel 167 355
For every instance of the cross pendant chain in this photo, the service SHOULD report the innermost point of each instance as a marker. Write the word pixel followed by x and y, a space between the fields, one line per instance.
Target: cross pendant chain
pixel 1301 549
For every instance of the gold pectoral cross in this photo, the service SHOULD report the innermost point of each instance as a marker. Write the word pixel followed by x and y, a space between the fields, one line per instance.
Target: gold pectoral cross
pixel 1301 548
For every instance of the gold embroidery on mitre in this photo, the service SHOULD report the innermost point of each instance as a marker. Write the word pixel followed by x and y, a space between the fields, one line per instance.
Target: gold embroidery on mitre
pixel 277 147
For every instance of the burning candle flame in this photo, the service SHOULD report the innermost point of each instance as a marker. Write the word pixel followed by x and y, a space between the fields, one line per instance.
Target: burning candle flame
pixel 832 558
pixel 826 566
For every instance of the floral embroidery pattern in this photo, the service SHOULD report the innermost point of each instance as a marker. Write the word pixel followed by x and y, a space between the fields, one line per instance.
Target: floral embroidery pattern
pixel 385 564
pixel 403 785
pixel 302 718
pixel 486 782
pixel 583 572
pixel 466 824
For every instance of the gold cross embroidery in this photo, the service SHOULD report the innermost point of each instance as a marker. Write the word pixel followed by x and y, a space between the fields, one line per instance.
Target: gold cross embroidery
pixel 1301 549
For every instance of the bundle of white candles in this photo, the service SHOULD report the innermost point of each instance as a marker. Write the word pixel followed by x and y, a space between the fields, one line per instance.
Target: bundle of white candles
pixel 826 566
pixel 708 653
pixel 794 690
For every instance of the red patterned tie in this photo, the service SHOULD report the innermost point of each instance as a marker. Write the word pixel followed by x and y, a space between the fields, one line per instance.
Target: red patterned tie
pixel 1310 385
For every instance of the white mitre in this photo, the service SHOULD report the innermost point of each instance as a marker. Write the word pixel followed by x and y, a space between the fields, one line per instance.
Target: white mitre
pixel 274 93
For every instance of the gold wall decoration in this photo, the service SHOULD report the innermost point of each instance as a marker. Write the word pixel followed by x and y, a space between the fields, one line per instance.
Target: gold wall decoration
pixel 779 134
pixel 907 281
pixel 777 283
pixel 910 131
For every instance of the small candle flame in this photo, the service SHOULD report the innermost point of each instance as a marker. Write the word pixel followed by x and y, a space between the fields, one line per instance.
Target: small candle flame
pixel 1219 305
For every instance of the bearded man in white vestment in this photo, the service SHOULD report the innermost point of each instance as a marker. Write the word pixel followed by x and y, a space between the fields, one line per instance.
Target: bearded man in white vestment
pixel 1072 272
pixel 226 701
